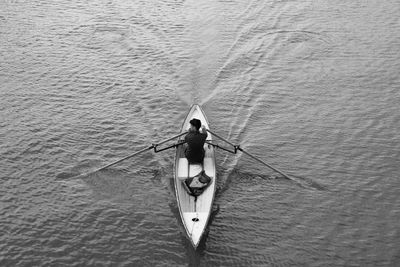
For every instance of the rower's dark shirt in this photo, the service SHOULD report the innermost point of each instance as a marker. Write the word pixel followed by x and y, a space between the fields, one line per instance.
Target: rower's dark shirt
pixel 195 143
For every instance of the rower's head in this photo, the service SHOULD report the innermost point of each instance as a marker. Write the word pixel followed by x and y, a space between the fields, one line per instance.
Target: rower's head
pixel 195 124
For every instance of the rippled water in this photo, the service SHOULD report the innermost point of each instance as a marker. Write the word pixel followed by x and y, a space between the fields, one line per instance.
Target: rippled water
pixel 311 87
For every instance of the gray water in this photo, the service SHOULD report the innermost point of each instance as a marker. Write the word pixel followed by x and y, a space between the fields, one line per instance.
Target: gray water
pixel 311 87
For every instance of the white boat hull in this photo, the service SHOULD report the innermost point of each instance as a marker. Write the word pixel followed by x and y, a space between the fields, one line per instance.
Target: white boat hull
pixel 195 211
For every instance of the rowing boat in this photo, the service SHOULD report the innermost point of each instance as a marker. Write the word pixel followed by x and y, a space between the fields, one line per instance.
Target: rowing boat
pixel 195 211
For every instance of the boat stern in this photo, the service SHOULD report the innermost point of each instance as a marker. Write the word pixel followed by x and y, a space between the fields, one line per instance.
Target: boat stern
pixel 196 223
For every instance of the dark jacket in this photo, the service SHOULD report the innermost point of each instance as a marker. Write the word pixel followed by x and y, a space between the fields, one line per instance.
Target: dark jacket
pixel 195 146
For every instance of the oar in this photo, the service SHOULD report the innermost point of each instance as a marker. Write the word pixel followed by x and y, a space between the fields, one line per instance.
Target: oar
pixel 250 155
pixel 266 164
pixel 134 154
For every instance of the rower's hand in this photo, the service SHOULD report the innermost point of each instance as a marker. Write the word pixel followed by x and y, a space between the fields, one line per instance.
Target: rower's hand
pixel 203 129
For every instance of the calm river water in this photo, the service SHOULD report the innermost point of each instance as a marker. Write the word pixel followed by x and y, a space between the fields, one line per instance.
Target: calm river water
pixel 311 87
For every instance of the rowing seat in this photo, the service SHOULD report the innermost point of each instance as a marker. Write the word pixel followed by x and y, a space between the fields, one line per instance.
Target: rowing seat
pixel 187 170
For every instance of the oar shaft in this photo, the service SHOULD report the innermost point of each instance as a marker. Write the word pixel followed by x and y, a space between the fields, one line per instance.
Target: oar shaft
pixel 169 139
pixel 266 164
pixel 127 157
pixel 135 154
pixel 250 155
pixel 223 139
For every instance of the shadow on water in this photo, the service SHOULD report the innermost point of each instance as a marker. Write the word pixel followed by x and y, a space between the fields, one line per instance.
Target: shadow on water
pixel 118 184
pixel 309 183
pixel 242 176
pixel 84 166
pixel 110 184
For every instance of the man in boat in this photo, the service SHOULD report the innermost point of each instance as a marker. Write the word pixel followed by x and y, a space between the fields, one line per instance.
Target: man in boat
pixel 195 139
pixel 194 152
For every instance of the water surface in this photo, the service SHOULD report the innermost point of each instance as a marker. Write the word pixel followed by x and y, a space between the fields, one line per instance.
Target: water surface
pixel 311 87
